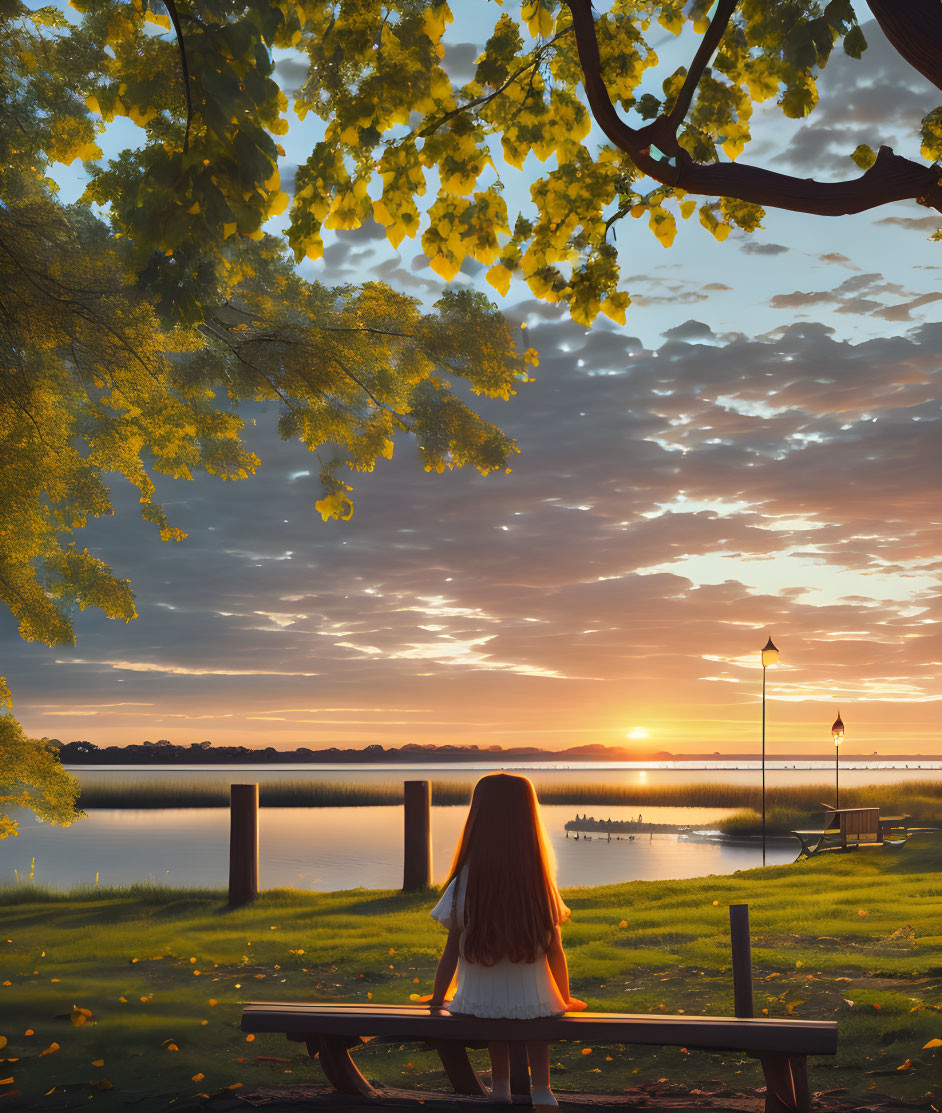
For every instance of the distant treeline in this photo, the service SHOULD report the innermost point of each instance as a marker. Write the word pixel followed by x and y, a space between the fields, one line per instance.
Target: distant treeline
pixel 164 752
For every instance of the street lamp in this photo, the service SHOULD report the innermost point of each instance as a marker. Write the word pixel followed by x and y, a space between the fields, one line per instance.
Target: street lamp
pixel 769 657
pixel 837 733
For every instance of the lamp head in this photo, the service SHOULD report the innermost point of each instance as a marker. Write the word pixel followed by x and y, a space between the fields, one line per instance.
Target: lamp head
pixel 769 654
pixel 837 730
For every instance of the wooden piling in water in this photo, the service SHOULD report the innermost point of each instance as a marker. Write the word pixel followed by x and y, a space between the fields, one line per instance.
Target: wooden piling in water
pixel 243 844
pixel 742 959
pixel 417 840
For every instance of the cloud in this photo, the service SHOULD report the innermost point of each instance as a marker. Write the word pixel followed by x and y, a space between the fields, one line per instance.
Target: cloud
pixel 928 224
pixel 750 247
pixel 670 504
pixel 841 260
pixel 291 72
pixel 690 330
pixel 459 61
pixel 860 294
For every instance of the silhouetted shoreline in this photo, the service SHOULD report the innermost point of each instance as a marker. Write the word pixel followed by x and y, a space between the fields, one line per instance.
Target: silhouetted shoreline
pixel 163 752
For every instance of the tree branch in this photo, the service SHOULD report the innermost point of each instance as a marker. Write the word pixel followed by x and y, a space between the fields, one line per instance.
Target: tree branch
pixel 711 40
pixel 891 178
pixel 171 7
pixel 914 27
pixel 534 61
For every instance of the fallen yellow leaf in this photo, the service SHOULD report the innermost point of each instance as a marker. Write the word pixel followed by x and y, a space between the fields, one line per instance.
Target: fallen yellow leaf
pixel 213 1001
pixel 80 1016
pixel 98 1062
pixel 50 1049
pixel 29 1032
pixel 932 1043
pixel 6 1081
pixel 3 1041
pixel 197 1077
pixel 249 1037
pixel 906 1066
pixel 172 1047
pixel 587 1051
pixel 103 1084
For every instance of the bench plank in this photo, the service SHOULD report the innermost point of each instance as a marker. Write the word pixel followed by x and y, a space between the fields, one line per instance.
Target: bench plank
pixel 755 1034
pixel 329 1030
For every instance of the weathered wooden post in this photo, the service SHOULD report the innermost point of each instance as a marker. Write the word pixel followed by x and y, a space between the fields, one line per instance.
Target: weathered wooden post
pixel 417 843
pixel 742 959
pixel 243 844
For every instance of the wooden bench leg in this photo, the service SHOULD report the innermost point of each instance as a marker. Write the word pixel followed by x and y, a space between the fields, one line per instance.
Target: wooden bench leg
pixel 339 1069
pixel 519 1072
pixel 786 1084
pixel 462 1076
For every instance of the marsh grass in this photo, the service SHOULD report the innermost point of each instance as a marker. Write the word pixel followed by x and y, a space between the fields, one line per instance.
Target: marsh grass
pixel 790 805
pixel 856 937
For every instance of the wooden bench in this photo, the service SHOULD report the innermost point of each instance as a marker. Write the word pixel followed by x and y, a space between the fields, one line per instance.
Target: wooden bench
pixel 330 1030
pixel 851 828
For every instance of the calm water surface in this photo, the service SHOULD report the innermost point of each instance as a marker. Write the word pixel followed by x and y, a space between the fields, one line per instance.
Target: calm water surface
pixel 341 848
pixel 337 848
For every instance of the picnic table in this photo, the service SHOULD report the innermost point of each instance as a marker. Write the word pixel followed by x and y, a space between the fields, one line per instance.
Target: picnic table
pixel 850 829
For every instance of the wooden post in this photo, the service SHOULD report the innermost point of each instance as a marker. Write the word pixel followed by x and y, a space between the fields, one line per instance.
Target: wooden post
pixel 742 959
pixel 417 843
pixel 243 844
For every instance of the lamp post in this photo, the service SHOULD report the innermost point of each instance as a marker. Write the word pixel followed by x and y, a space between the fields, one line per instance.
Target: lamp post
pixel 837 733
pixel 769 657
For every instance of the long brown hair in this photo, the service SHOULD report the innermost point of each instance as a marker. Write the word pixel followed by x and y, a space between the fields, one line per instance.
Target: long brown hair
pixel 512 905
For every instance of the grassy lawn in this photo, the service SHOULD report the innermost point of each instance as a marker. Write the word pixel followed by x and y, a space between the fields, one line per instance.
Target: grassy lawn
pixel 163 974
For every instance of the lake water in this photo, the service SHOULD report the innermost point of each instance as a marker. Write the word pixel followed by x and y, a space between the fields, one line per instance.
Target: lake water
pixel 338 848
pixel 342 848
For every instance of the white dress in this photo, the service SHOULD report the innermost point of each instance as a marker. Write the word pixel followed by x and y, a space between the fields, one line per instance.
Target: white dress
pixel 516 990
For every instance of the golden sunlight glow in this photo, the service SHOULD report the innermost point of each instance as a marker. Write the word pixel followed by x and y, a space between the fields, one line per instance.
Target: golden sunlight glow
pixel 637 733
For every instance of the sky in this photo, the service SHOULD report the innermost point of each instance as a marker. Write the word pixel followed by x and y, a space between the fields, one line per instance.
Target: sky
pixel 755 453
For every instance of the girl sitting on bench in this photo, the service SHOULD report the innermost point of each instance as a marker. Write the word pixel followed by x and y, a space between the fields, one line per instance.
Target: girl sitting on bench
pixel 503 913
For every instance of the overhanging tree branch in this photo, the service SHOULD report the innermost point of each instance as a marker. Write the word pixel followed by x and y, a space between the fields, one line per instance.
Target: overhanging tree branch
pixel 171 7
pixel 709 43
pixel 915 30
pixel 891 178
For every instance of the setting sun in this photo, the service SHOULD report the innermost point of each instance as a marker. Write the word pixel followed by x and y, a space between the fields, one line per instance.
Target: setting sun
pixel 637 733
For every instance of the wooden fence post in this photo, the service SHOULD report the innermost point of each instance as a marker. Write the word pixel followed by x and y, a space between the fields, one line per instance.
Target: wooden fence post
pixel 742 959
pixel 243 844
pixel 417 842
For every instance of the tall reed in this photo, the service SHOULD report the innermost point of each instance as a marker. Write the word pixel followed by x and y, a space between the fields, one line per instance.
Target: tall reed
pixel 921 798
